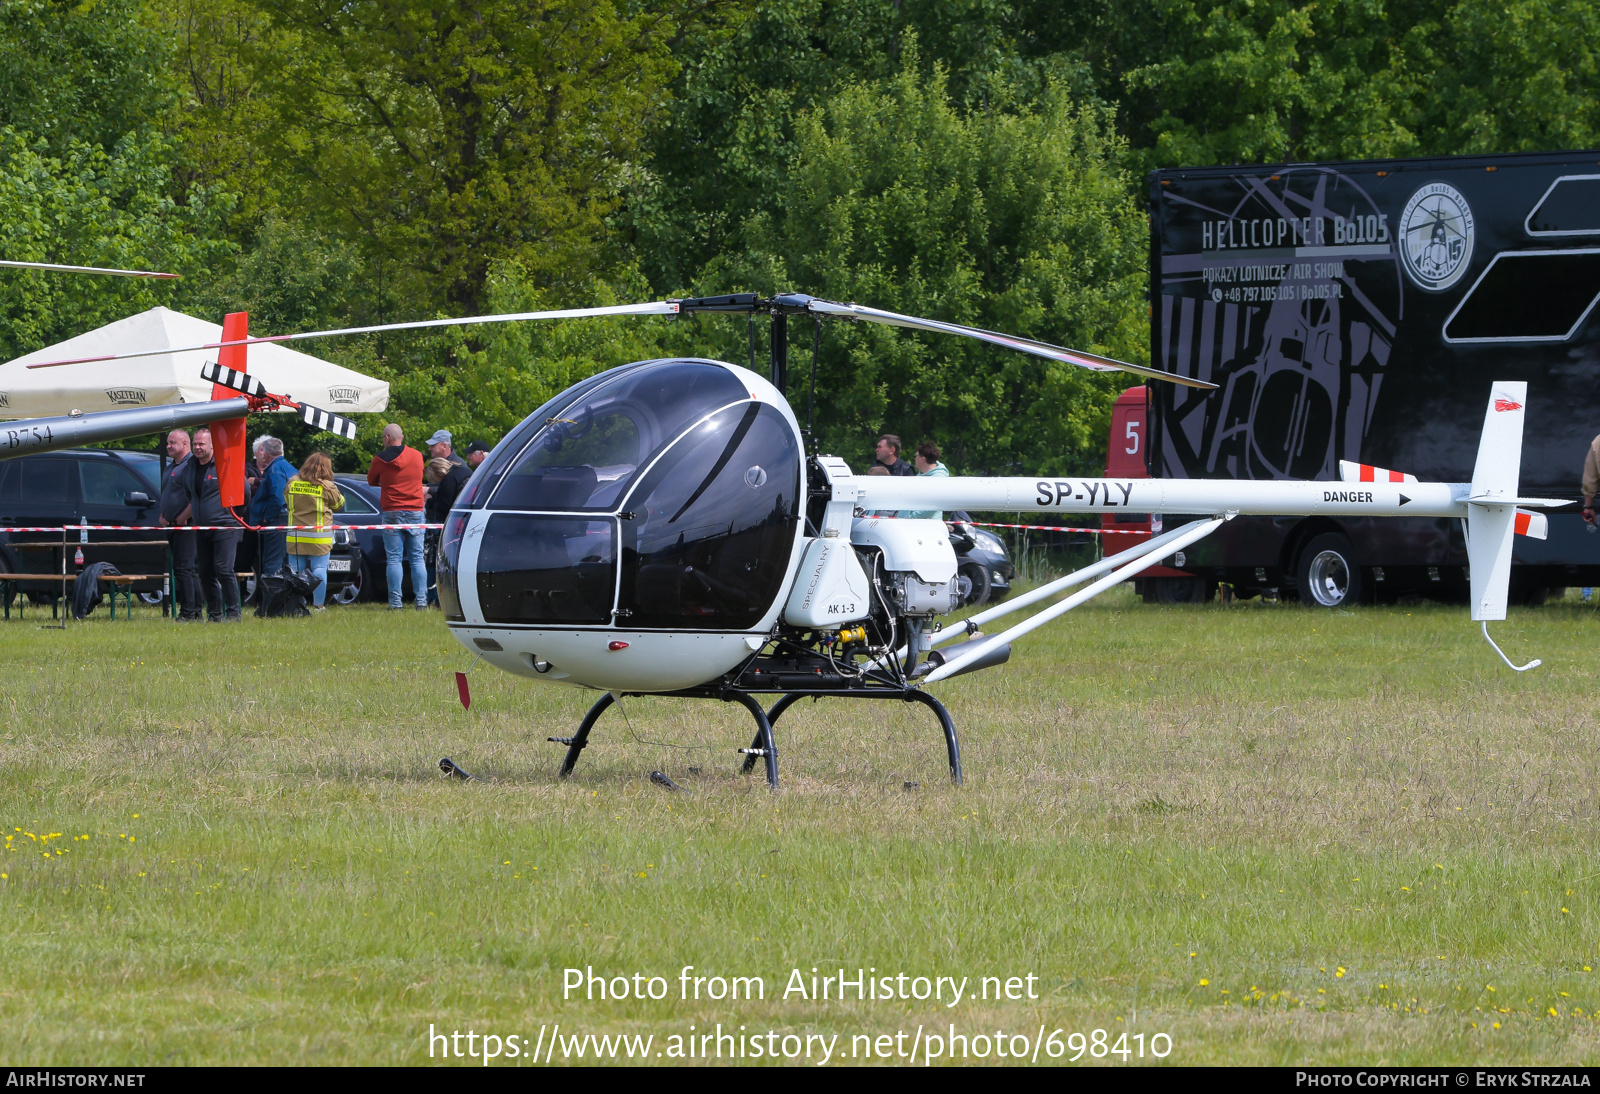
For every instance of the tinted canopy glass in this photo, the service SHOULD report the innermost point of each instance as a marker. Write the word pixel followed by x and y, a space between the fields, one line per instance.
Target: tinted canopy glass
pixel 534 569
pixel 585 455
pixel 709 528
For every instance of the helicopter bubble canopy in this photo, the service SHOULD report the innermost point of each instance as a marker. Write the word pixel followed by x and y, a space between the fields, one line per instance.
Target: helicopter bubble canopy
pixel 655 508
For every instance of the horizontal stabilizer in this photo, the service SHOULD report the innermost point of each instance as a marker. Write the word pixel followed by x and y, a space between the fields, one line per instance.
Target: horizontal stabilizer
pixel 1532 525
pixel 1360 472
pixel 1537 503
pixel 327 421
pixel 232 379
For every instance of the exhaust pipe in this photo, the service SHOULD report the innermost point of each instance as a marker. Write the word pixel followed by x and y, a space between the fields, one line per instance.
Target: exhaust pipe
pixel 989 654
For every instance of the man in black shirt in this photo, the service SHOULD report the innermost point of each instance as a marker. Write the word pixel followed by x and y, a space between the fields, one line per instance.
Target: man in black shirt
pixel 888 453
pixel 175 506
pixel 215 550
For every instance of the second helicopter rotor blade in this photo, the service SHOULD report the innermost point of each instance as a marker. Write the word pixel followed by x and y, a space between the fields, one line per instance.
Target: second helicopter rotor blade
pixel 1010 341
pixel 108 271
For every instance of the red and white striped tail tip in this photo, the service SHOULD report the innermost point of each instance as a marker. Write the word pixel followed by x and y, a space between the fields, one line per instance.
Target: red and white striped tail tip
pixel 1532 525
pixel 232 378
pixel 1360 472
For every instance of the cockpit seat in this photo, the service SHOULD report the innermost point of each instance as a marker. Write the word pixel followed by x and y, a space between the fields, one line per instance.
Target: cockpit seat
pixel 557 488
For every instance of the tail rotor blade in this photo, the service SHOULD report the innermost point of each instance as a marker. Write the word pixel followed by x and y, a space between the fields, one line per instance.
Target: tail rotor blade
pixel 327 421
pixel 232 379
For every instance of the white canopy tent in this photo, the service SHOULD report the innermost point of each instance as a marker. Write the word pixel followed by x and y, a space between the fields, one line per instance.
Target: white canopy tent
pixel 170 378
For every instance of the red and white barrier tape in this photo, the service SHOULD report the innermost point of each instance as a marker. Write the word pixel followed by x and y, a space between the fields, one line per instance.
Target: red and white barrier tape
pixel 208 527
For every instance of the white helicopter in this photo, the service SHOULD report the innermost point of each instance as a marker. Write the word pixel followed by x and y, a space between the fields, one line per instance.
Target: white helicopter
pixel 658 529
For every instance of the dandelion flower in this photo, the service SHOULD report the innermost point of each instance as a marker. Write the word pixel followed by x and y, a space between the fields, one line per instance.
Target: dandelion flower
pixel 1205 983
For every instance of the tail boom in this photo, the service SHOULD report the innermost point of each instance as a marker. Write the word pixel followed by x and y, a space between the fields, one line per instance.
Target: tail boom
pixel 1200 497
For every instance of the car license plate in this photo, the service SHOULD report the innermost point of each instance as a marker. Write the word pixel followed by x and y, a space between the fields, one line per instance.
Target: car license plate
pixel 339 565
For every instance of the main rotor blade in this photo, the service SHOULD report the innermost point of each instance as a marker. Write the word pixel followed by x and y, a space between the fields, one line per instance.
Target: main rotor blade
pixel 660 307
pixel 1009 341
pixel 85 269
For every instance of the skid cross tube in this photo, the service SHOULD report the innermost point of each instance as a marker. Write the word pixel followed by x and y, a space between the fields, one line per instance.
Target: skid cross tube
pixel 909 695
pixel 763 745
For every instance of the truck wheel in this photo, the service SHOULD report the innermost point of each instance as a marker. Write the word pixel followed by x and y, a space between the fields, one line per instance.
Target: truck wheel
pixel 1181 590
pixel 1329 576
pixel 973 581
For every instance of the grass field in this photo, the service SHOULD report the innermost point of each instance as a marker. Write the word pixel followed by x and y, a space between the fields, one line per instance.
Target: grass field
pixel 1272 835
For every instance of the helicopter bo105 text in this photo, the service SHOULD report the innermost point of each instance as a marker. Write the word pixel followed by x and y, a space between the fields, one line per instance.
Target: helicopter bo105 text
pixel 659 529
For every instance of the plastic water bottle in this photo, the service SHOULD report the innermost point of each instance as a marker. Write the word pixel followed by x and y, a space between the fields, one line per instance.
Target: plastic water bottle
pixel 1588 593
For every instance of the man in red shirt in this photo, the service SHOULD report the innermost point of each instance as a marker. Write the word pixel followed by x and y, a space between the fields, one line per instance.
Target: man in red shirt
pixel 398 470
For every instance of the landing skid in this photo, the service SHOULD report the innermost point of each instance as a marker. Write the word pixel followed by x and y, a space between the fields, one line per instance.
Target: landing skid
pixel 763 746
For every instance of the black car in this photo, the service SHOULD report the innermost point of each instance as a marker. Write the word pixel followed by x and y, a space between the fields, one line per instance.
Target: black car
pixel 83 486
pixel 984 571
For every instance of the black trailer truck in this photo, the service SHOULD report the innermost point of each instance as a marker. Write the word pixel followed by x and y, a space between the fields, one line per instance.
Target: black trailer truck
pixel 1359 311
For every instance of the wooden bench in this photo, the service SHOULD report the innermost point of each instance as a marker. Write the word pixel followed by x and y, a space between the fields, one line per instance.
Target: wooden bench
pixel 113 584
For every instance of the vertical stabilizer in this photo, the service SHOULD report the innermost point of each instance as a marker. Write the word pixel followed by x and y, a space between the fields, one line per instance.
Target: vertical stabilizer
pixel 1491 509
pixel 227 437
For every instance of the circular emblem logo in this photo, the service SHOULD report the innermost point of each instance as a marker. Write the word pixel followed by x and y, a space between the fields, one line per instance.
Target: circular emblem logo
pixel 1436 236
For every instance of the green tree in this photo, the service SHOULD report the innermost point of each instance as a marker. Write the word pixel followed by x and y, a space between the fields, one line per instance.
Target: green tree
pixel 1239 81
pixel 89 206
pixel 1014 220
pixel 747 76
pixel 443 137
pixel 1508 77
pixel 82 71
